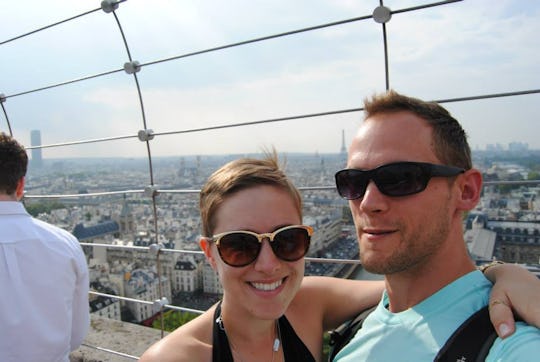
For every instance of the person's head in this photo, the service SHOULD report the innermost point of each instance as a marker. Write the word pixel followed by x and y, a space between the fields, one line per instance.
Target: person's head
pixel 238 175
pixel 409 179
pixel 13 165
pixel 449 140
pixel 244 198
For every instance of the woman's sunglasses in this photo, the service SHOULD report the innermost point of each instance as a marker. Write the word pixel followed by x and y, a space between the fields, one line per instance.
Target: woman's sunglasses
pixel 393 179
pixel 240 248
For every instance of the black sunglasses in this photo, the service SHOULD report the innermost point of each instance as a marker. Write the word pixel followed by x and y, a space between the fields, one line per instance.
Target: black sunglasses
pixel 240 248
pixel 393 179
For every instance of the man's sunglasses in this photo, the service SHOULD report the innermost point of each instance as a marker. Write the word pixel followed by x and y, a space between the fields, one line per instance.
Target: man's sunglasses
pixel 393 179
pixel 240 248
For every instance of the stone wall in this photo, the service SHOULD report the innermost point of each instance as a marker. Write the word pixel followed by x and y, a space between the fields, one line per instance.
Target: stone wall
pixel 127 338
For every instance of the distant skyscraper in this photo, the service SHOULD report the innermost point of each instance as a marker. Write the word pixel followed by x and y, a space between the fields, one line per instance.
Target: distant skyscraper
pixel 35 140
pixel 343 148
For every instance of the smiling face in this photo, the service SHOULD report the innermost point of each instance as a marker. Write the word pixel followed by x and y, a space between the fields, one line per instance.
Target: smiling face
pixel 399 234
pixel 265 287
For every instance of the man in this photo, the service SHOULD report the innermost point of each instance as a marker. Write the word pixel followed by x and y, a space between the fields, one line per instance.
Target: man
pixel 409 181
pixel 44 311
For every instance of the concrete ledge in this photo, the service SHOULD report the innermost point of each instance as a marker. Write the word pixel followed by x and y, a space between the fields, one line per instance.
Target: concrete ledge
pixel 123 337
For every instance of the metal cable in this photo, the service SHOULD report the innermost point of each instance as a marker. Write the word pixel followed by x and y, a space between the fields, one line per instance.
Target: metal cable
pixel 90 194
pixel 49 26
pixel 385 45
pixel 134 300
pixel 487 96
pixel 65 83
pixel 149 153
pixel 72 143
pixel 141 103
pixel 425 6
pixel 287 118
pixel 245 42
pixel 386 66
pixel 160 291
pixel 7 119
pixel 197 53
pixel 256 40
pixel 198 252
pixel 189 191
pixel 110 351
pixel 57 23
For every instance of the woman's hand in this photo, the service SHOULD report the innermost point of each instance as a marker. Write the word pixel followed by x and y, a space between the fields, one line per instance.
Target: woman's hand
pixel 514 289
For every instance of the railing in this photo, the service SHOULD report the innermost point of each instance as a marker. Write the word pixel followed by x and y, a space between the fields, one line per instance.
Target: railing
pixel 132 67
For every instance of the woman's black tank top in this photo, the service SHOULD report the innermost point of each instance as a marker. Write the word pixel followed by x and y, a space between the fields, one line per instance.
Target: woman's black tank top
pixel 294 349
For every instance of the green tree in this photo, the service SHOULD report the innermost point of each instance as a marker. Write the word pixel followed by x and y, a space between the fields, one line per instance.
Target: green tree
pixel 173 319
pixel 507 188
pixel 35 208
pixel 533 175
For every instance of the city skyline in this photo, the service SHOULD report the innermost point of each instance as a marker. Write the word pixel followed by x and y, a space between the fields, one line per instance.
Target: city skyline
pixel 35 136
pixel 490 48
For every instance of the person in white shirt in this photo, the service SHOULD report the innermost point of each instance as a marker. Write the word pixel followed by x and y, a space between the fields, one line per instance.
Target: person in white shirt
pixel 44 312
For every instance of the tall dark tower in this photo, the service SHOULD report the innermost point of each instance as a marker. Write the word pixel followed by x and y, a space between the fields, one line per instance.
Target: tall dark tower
pixel 343 151
pixel 343 148
pixel 35 140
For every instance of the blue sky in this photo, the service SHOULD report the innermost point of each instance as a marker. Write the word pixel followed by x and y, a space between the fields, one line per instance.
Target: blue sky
pixel 466 48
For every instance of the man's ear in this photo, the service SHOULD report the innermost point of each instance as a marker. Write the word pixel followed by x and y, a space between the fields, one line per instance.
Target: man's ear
pixel 206 247
pixel 470 184
pixel 19 191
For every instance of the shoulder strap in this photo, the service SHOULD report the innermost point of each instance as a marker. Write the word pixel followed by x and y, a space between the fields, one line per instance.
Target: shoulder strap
pixel 340 336
pixel 471 341
pixel 221 351
pixel 294 348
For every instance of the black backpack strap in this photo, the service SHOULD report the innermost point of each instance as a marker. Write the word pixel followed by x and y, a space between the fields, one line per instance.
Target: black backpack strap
pixel 340 336
pixel 471 341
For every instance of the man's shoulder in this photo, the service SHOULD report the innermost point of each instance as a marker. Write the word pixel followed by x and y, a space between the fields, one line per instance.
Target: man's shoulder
pixel 53 229
pixel 56 238
pixel 522 345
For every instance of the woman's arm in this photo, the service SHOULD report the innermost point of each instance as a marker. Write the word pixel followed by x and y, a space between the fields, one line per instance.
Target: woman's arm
pixel 341 299
pixel 514 288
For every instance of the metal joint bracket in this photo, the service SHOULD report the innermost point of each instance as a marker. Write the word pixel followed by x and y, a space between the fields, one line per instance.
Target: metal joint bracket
pixel 145 135
pixel 151 191
pixel 2 97
pixel 382 14
pixel 132 67
pixel 155 248
pixel 109 6
pixel 159 303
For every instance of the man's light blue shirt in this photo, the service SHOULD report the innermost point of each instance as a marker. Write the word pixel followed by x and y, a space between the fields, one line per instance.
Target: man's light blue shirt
pixel 418 333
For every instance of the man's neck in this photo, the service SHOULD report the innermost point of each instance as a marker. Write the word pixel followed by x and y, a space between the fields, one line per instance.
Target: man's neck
pixel 407 289
pixel 6 197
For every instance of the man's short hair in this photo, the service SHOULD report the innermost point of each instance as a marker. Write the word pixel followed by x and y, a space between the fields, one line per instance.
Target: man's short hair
pixel 238 175
pixel 449 138
pixel 13 163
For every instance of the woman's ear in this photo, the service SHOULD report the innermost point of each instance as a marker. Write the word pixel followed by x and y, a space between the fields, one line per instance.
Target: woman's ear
pixel 206 247
pixel 471 189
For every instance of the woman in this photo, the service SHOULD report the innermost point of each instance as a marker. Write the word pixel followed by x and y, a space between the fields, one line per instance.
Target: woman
pixel 254 239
